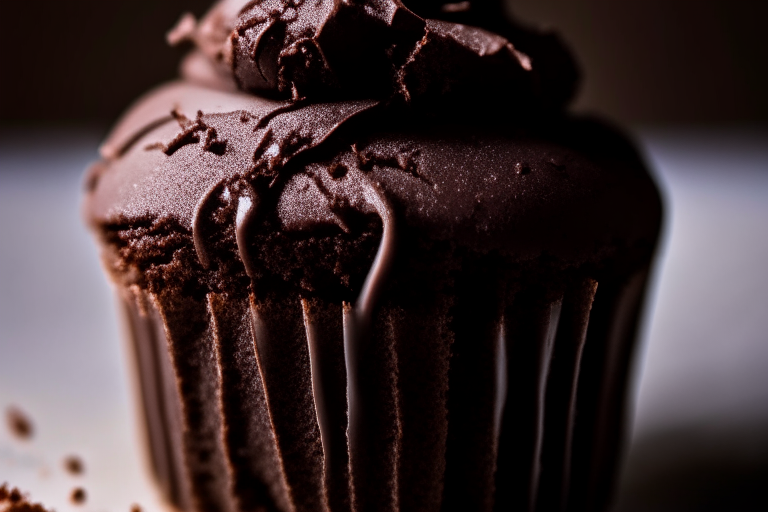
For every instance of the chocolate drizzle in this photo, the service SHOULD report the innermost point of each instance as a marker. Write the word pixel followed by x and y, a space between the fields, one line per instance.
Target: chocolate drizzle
pixel 502 380
pixel 197 221
pixel 276 148
pixel 358 320
pixel 278 142
pixel 247 206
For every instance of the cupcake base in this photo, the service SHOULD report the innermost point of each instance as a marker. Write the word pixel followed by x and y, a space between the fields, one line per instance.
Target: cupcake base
pixel 489 395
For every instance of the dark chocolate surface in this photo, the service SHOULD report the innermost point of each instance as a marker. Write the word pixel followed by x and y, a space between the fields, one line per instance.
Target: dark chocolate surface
pixel 424 52
pixel 568 190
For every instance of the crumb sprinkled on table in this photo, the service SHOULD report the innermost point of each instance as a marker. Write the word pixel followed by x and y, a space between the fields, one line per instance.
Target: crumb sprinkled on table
pixel 19 423
pixel 74 465
pixel 12 500
pixel 78 496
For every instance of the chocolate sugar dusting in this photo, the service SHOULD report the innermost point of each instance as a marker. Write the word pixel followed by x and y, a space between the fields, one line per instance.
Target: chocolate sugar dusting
pixel 19 424
pixel 370 262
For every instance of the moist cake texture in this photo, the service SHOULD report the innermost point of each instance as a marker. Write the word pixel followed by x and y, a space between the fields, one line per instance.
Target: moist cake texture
pixel 369 263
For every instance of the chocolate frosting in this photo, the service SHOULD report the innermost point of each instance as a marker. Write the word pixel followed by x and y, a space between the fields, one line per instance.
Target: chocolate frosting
pixel 333 49
pixel 524 192
pixel 294 113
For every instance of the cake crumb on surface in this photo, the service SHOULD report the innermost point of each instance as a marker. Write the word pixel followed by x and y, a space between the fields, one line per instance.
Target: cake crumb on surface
pixel 78 496
pixel 136 508
pixel 18 423
pixel 74 465
pixel 12 500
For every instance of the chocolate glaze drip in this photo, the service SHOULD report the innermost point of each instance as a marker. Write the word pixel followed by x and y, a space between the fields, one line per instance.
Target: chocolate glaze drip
pixel 255 462
pixel 528 365
pixel 190 343
pixel 358 320
pixel 148 352
pixel 323 323
pixel 247 207
pixel 561 395
pixel 283 356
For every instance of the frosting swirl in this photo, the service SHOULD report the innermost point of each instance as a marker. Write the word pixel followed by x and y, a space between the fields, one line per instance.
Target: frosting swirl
pixel 324 50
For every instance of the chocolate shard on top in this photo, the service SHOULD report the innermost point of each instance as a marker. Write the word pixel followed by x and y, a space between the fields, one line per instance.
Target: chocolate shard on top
pixel 382 49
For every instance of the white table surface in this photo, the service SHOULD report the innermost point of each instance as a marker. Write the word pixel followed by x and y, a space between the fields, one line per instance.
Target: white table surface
pixel 701 428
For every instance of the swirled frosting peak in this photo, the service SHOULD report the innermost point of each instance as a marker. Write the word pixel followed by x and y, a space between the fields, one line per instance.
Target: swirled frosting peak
pixel 381 49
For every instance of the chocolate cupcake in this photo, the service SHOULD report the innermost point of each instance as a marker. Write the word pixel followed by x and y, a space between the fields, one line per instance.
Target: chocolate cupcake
pixel 368 263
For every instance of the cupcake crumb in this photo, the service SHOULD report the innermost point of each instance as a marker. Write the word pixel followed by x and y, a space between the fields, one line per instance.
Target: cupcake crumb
pixel 12 500
pixel 74 465
pixel 136 508
pixel 18 423
pixel 9 495
pixel 78 496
